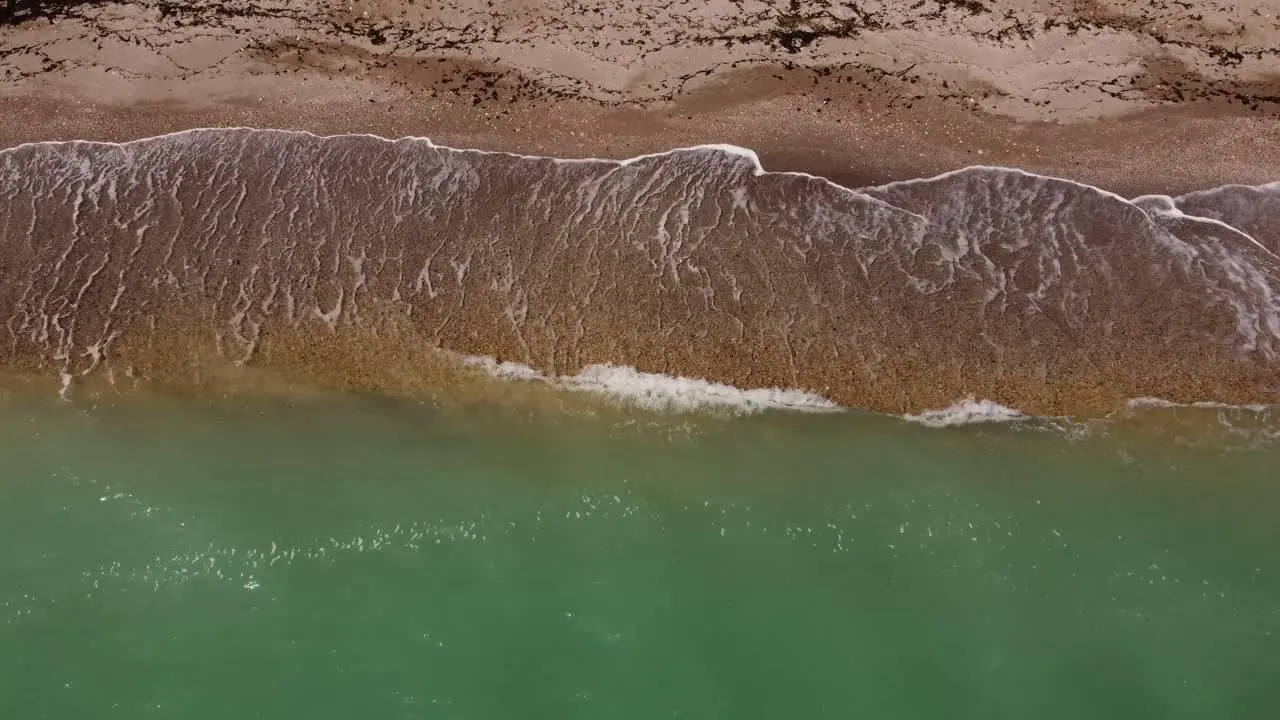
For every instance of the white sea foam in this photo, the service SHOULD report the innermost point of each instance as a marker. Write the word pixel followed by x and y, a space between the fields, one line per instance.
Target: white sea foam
pixel 662 392
pixel 503 370
pixel 967 412
pixel 748 154
pixel 1152 403
pixel 744 153
pixel 1002 169
pixel 1230 187
pixel 655 391
pixel 1148 204
pixel 1166 205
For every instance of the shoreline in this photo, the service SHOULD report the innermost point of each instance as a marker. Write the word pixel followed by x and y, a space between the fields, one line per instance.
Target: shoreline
pixel 748 153
pixel 873 315
pixel 1150 152
pixel 1148 421
pixel 1091 95
pixel 1135 102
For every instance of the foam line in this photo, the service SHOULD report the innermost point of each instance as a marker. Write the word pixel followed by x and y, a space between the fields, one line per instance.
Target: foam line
pixel 1153 403
pixel 748 154
pixel 654 391
pixel 1271 186
pixel 725 148
pixel 967 412
pixel 1167 205
pixel 994 168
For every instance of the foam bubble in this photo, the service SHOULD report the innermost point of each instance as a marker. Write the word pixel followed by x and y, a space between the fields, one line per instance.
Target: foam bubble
pixel 1151 403
pixel 655 391
pixel 967 412
pixel 503 370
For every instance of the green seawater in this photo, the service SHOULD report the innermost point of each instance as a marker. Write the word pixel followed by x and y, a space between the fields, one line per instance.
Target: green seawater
pixel 357 558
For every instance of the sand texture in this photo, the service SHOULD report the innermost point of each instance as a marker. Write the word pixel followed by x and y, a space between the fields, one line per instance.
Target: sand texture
pixel 1058 291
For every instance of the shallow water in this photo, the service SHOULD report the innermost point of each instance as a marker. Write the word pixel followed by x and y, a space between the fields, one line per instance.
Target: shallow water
pixel 350 557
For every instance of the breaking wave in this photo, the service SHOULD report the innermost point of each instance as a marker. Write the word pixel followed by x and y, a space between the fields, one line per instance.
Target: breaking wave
pixel 352 260
pixel 654 391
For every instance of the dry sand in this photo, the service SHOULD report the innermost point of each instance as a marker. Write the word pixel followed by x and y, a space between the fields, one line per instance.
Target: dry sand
pixel 1160 96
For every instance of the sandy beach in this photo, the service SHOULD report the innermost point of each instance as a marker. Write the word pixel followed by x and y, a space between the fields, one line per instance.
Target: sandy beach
pixel 639 359
pixel 1050 296
pixel 1135 97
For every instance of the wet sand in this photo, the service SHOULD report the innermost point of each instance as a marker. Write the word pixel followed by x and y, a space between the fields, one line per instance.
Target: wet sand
pixel 1155 99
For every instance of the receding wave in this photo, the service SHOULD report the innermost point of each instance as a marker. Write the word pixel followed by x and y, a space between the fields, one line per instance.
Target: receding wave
pixel 354 260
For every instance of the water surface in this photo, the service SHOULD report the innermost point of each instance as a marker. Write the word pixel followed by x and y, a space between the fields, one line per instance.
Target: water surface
pixel 350 557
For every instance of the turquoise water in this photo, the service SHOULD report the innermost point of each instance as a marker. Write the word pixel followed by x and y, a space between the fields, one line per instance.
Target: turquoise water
pixel 352 558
